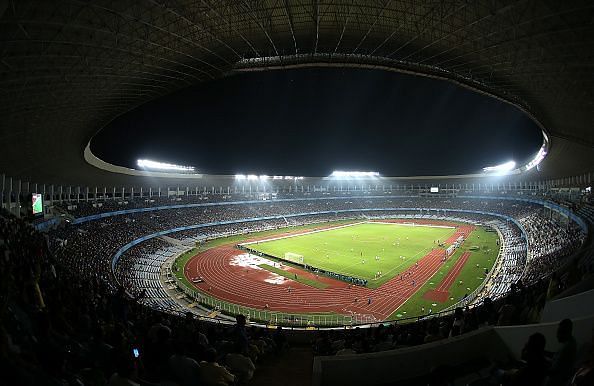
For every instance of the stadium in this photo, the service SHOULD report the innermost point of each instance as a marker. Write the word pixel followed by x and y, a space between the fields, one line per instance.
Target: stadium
pixel 229 193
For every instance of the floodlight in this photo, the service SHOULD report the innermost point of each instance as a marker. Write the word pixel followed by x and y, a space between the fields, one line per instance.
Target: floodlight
pixel 277 177
pixel 263 177
pixel 240 177
pixel 501 168
pixel 148 164
pixel 252 177
pixel 342 173
pixel 537 158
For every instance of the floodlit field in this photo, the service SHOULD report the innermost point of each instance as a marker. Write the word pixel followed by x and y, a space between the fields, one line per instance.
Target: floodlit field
pixel 352 250
pixel 471 275
pixel 403 291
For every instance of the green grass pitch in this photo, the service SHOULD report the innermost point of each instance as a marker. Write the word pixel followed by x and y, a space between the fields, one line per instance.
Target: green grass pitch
pixel 352 250
pixel 472 275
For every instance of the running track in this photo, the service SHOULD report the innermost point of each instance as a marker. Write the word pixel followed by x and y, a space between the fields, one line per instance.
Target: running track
pixel 246 287
pixel 441 293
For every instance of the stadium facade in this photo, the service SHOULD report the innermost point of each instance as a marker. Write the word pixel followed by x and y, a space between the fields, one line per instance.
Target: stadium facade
pixel 69 69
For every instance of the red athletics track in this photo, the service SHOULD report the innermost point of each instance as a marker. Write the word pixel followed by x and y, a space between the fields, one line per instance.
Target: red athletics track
pixel 246 286
pixel 440 294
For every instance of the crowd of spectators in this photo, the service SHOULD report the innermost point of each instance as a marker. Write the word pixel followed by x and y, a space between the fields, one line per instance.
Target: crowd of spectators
pixel 89 247
pixel 548 243
pixel 58 296
pixel 300 203
pixel 521 305
pixel 83 208
pixel 94 205
pixel 135 262
pixel 58 328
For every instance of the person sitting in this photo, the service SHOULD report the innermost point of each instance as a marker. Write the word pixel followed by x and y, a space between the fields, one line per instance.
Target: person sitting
pixel 125 373
pixel 536 363
pixel 564 359
pixel 585 373
pixel 185 370
pixel 213 374
pixel 240 365
pixel 348 348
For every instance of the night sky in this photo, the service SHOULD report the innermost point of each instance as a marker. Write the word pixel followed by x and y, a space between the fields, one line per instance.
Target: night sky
pixel 309 122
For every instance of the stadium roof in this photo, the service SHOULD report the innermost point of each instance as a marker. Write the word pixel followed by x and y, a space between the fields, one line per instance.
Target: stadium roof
pixel 67 68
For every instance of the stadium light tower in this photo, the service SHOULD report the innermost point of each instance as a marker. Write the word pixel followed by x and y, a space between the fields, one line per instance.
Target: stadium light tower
pixel 353 174
pixel 501 168
pixel 154 165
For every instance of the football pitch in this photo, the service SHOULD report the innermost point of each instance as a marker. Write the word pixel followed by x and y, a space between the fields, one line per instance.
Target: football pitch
pixel 362 250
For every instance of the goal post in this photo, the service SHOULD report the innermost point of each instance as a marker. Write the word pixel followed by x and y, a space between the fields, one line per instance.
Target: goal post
pixel 294 257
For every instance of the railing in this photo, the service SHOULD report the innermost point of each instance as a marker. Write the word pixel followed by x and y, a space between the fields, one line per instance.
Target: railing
pixel 268 317
pixel 474 294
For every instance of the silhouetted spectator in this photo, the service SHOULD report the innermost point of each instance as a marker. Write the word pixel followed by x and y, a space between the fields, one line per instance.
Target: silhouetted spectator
pixel 564 359
pixel 184 370
pixel 125 373
pixel 240 365
pixel 213 374
pixel 536 363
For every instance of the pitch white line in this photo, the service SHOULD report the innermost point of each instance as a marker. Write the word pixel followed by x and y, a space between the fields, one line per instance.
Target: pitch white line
pixel 302 234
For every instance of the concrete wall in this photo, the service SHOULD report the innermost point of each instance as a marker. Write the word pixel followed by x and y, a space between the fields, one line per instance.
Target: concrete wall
pixel 492 343
pixel 396 365
pixel 515 337
pixel 575 306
